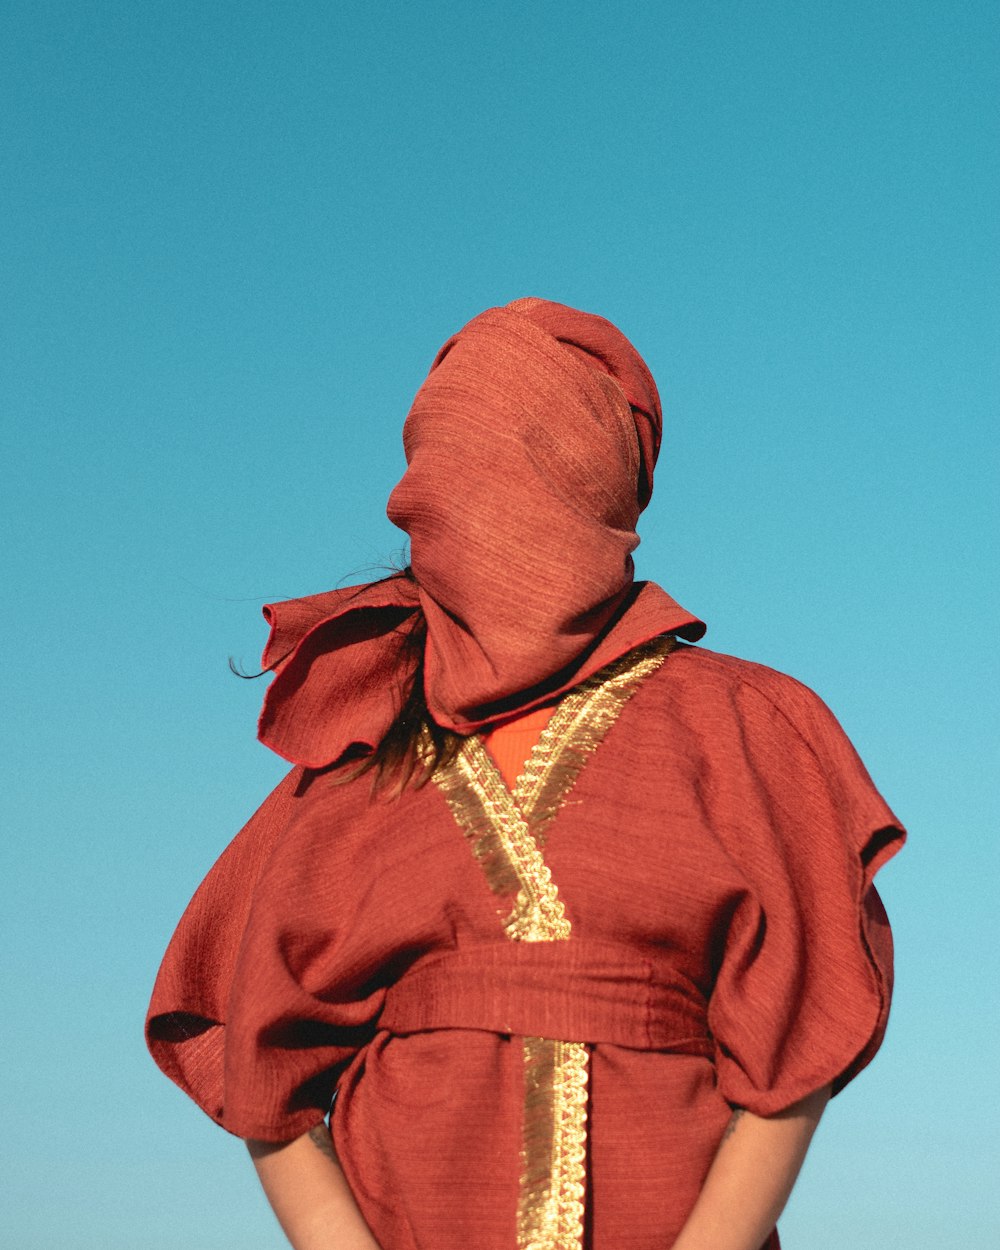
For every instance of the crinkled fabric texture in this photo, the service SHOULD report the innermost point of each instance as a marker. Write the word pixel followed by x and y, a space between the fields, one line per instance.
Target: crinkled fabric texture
pixel 530 452
pixel 724 831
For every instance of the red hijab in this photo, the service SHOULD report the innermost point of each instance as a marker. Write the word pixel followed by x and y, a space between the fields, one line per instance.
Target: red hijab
pixel 530 450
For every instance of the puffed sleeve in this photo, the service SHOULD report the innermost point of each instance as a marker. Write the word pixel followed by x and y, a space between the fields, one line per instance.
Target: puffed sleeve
pixel 233 1020
pixel 802 992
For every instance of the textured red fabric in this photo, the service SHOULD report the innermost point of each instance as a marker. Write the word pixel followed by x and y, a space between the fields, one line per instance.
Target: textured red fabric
pixel 521 498
pixel 530 451
pixel 724 835
pixel 593 992
pixel 598 344
pixel 339 660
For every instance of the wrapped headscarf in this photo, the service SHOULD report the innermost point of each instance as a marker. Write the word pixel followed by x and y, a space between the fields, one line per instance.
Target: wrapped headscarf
pixel 530 451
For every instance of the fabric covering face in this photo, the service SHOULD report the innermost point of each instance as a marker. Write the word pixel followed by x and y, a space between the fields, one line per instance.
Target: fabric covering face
pixel 530 451
pixel 521 501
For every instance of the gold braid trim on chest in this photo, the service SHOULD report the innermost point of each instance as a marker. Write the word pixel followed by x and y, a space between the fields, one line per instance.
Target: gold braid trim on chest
pixel 506 832
pixel 502 842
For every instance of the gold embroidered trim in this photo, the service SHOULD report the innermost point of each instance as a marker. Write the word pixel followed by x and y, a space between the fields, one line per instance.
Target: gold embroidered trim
pixel 577 727
pixel 502 843
pixel 505 831
pixel 553 1155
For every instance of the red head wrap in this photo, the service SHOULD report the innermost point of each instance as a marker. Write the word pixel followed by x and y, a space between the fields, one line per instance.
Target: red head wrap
pixel 530 451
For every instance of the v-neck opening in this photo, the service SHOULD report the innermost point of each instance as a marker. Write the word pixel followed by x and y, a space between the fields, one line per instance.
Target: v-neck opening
pixel 510 745
pixel 577 726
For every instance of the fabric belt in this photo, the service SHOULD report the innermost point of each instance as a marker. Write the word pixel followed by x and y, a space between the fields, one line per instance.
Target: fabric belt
pixel 575 990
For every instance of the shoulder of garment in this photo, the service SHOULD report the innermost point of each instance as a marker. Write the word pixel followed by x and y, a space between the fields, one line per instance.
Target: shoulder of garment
pixel 803 992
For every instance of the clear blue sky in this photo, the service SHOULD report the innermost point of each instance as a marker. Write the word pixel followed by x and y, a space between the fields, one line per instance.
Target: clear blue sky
pixel 234 235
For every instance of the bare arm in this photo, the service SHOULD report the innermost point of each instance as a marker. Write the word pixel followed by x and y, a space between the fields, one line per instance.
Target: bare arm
pixel 309 1194
pixel 751 1177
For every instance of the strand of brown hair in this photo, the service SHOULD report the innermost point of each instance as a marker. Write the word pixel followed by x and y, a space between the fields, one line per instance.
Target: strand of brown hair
pixel 415 745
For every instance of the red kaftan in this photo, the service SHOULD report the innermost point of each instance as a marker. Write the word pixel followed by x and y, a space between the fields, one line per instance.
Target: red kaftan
pixel 538 1010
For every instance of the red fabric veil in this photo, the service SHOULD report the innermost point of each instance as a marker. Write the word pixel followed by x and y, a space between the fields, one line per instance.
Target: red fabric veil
pixel 530 450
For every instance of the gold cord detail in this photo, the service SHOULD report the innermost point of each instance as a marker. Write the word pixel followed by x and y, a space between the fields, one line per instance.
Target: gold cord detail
pixel 554 1150
pixel 576 729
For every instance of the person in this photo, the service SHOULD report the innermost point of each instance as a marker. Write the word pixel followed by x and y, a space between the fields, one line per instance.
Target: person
pixel 561 931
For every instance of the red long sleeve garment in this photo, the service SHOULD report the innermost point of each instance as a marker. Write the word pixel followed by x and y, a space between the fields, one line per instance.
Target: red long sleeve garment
pixel 537 1006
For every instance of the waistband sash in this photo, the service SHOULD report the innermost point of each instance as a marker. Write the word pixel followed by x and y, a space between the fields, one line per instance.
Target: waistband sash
pixel 575 990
